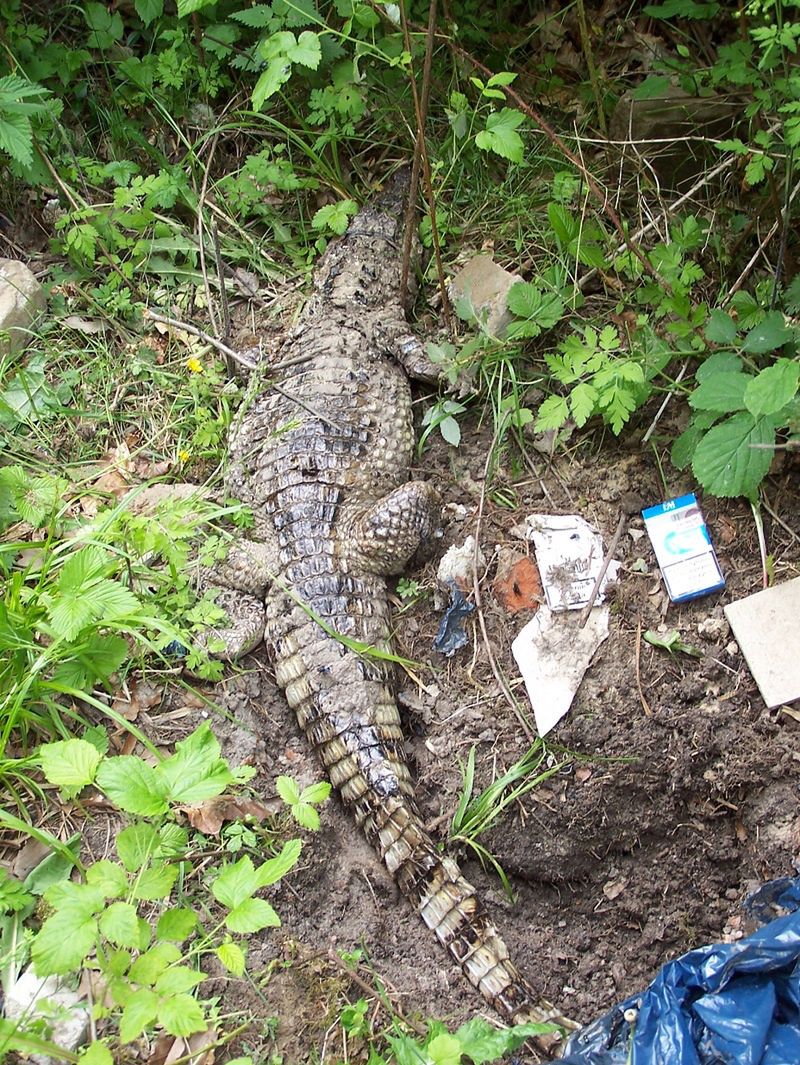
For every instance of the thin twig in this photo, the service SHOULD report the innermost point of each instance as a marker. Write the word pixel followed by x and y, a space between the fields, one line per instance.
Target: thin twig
pixel 612 547
pixel 476 591
pixel 369 989
pixel 221 278
pixel 201 200
pixel 420 110
pixel 185 327
pixel 242 361
pixel 665 402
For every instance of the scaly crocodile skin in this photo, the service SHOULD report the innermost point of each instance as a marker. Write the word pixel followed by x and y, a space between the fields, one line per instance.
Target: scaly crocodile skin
pixel 335 514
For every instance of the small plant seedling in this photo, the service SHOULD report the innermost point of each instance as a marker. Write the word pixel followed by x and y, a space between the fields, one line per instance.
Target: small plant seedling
pixel 672 641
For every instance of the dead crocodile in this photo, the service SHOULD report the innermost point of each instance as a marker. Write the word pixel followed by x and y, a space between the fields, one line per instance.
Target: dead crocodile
pixel 323 463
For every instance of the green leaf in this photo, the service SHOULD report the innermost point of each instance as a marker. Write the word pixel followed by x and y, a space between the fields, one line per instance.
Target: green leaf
pixel 657 85
pixel 258 17
pixel 119 923
pixel 727 463
pixel 505 77
pixel 149 966
pixel 179 978
pixel 528 301
pixel 719 362
pixel 769 334
pixel 109 877
pixel 149 10
pixel 251 916
pixel 232 957
pixel 195 772
pixel 188 7
pixel 136 845
pixel 105 28
pixel 444 1049
pixel 182 1015
pixel 132 785
pixel 307 51
pixel 69 763
pixel 13 896
pixel 451 434
pixel 582 402
pixel 156 882
pixel 722 392
pixel 721 328
pixel 236 882
pixel 274 868
pixel 97 1054
pixel 334 216
pixel 552 414
pixel 16 137
pixel 500 135
pixel 277 73
pixel 773 388
pixel 65 940
pixel 288 790
pixel 176 924
pixel 139 1012
pixel 111 600
pixel 316 793
pixel 481 1042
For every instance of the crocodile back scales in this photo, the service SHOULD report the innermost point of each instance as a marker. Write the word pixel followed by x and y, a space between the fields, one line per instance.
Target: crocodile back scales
pixel 311 460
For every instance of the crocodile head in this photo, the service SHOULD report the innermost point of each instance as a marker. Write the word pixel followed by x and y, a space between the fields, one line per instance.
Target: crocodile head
pixel 361 270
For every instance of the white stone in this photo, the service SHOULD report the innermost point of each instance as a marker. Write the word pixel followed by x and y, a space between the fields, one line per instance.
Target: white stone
pixel 485 286
pixel 765 627
pixel 21 302
pixel 48 998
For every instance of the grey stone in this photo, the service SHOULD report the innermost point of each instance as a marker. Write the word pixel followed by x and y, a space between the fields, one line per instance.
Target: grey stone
pixel 21 302
pixel 49 999
pixel 485 286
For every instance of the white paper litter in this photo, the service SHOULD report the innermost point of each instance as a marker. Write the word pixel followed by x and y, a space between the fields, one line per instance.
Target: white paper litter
pixel 569 553
pixel 553 654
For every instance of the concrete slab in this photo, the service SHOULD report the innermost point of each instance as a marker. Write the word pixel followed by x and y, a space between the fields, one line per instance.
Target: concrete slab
pixel 767 628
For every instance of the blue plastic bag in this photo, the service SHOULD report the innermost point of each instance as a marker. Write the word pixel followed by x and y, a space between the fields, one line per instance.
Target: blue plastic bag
pixel 724 1004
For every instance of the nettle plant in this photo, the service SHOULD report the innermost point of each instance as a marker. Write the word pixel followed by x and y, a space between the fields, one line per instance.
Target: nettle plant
pixel 131 920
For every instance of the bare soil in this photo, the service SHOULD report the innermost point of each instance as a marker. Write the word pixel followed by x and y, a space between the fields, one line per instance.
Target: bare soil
pixel 679 796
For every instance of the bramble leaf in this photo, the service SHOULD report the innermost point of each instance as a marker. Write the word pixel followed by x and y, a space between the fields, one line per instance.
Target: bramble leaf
pixel 132 785
pixel 500 135
pixel 773 388
pixel 723 392
pixel 69 764
pixel 733 458
pixel 251 916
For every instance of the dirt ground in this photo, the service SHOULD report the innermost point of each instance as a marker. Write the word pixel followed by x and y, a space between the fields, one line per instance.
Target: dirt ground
pixel 678 797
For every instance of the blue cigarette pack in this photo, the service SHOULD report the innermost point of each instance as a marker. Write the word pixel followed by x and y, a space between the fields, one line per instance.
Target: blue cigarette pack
pixel 685 554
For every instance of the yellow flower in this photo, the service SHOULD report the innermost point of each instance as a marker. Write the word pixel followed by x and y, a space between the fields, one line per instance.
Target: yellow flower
pixel 193 365
pixel 184 456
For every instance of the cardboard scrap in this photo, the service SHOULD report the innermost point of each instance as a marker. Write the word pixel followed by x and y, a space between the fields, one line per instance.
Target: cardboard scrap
pixel 553 654
pixel 569 552
pixel 766 629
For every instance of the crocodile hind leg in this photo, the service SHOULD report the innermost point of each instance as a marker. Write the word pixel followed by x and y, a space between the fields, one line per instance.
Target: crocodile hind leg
pixel 386 535
pixel 238 584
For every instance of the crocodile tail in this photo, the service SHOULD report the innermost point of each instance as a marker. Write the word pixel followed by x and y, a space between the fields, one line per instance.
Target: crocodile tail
pixel 449 905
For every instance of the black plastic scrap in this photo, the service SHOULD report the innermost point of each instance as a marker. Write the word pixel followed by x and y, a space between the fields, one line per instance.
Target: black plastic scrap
pixel 452 635
pixel 724 1004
